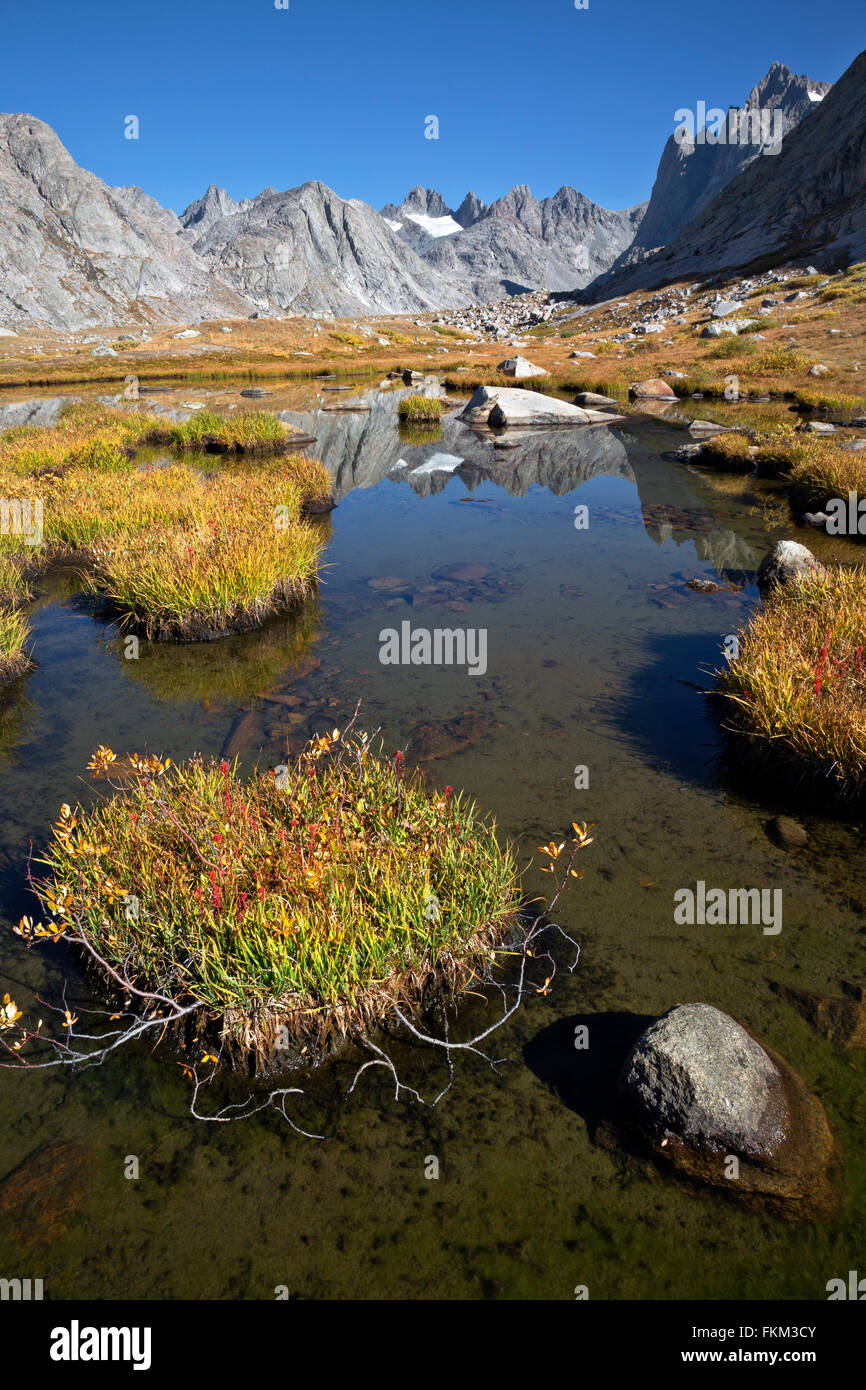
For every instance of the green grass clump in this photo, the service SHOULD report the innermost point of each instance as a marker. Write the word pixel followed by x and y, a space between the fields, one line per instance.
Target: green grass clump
pixel 419 408
pixel 312 903
pixel 798 686
pixel 779 361
pixel 181 555
pixel 730 451
pixel 731 346
pixel 834 292
pixel 14 631
pixel 841 401
pixel 244 431
pixel 97 436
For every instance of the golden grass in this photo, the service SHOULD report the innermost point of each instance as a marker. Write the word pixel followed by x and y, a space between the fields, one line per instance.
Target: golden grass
pixel 238 555
pixel 825 471
pixel 180 553
pixel 798 687
pixel 14 594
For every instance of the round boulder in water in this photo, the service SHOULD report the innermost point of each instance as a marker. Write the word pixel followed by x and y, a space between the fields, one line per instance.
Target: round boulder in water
pixel 707 1096
pixel 786 561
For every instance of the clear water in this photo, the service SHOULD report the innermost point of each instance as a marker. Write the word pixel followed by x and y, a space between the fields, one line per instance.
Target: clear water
pixel 595 650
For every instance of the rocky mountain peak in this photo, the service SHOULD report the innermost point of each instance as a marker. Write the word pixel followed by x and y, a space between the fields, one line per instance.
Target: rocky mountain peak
pixel 691 173
pixel 470 210
pixel 425 201
pixel 216 202
pixel 807 200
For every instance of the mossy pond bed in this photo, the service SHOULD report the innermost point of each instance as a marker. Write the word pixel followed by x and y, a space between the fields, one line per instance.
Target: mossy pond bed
pixel 596 654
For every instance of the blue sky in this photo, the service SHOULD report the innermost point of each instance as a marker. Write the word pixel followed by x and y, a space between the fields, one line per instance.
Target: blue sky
pixel 239 93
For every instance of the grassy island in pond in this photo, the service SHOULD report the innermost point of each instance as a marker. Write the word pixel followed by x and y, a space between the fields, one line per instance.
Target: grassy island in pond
pixel 798 686
pixel 301 905
pixel 418 409
pixel 179 552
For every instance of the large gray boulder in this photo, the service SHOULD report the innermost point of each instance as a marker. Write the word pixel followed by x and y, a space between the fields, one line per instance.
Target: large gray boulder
pixel 785 562
pixel 519 368
pixel 499 406
pixel 704 1095
pixel 697 1075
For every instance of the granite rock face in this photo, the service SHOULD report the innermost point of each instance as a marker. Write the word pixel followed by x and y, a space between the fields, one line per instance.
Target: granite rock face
pixel 520 244
pixel 809 200
pixel 691 173
pixel 307 251
pixel 76 253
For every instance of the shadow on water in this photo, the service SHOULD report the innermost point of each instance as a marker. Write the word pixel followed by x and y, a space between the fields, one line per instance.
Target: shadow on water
pixel 585 1077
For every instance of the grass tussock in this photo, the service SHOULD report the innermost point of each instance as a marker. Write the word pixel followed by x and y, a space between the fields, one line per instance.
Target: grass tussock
pixel 242 432
pixel 838 402
pixel 824 471
pixel 14 631
pixel 237 553
pixel 181 554
pixel 798 686
pixel 14 628
pixel 417 409
pixel 311 905
pixel 730 452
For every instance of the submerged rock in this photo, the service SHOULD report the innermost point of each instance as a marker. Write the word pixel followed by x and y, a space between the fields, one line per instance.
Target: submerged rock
pixel 445 737
pixel 704 586
pixel 462 573
pixel 705 1095
pixel 592 398
pixel 842 1021
pixel 787 561
pixel 788 833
